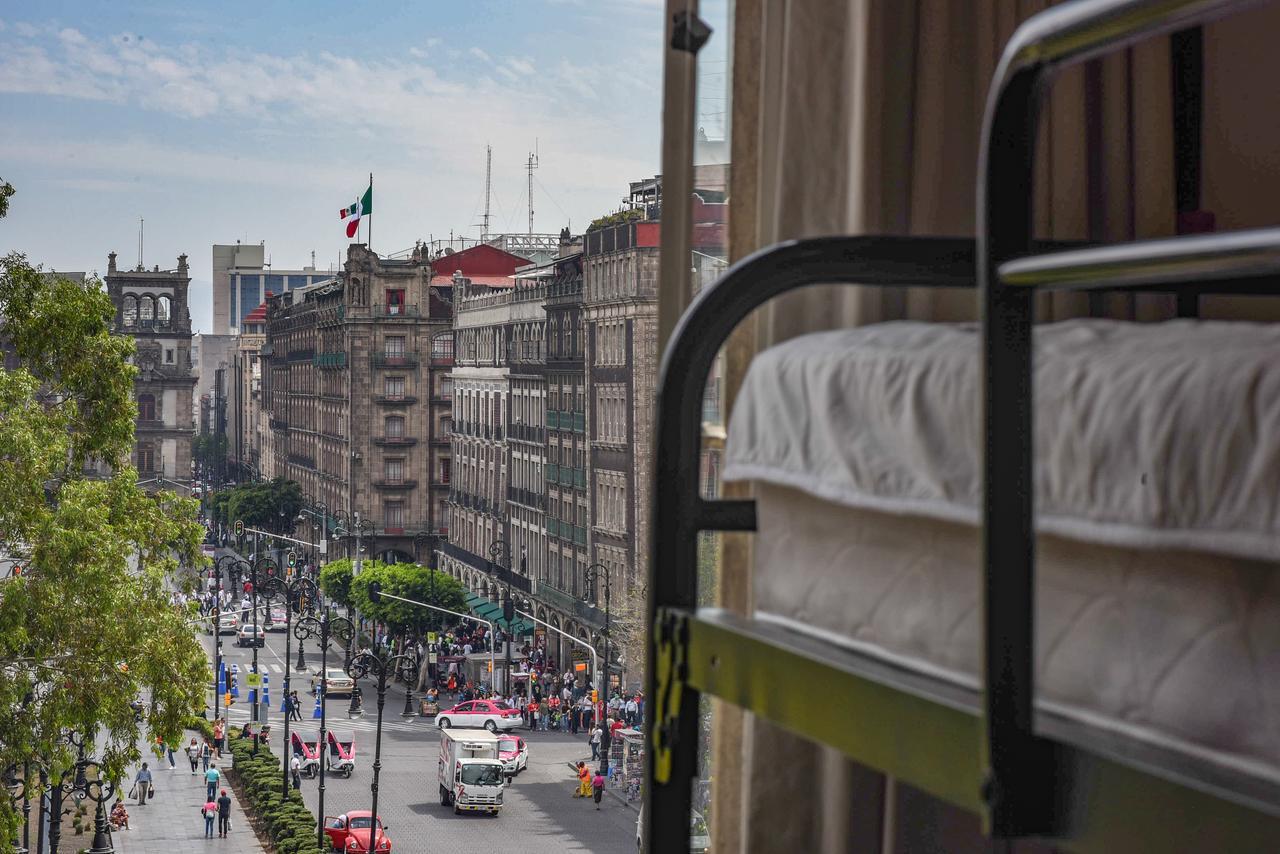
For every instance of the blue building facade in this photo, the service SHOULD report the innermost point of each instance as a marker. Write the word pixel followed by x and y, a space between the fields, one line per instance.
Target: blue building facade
pixel 249 288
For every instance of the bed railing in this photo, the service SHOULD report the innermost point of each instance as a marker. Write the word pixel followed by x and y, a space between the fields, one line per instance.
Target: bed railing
pixel 1029 771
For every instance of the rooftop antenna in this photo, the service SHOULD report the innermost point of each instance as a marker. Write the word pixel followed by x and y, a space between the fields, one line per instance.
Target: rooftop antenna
pixel 313 258
pixel 141 222
pixel 488 178
pixel 532 164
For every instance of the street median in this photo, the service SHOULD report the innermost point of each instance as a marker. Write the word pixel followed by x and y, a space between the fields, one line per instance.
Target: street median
pixel 285 823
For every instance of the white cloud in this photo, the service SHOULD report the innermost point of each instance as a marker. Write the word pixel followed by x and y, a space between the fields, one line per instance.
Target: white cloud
pixel 524 66
pixel 480 54
pixel 25 30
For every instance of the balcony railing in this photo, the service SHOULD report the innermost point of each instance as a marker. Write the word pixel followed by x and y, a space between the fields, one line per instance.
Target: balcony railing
pixel 395 441
pixel 381 311
pixel 553 597
pixel 395 483
pixel 395 399
pixel 395 360
pixel 329 360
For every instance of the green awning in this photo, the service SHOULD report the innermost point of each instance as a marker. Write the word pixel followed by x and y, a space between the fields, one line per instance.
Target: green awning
pixel 487 611
pixel 474 599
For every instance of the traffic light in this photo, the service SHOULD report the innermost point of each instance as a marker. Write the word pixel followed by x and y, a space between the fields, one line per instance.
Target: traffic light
pixel 508 610
pixel 292 559
pixel 239 528
pixel 595 697
pixel 375 591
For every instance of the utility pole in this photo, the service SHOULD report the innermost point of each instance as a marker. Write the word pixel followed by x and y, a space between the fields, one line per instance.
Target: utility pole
pixel 532 164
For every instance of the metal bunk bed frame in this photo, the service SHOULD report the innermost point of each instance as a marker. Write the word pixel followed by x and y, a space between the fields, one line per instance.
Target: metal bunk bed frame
pixel 1028 771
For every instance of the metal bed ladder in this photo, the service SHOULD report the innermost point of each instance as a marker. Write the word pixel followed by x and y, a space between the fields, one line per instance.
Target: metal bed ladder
pixel 1026 771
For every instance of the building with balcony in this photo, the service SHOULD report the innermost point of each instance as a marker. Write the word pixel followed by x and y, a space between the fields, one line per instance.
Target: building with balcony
pixel 358 395
pixel 151 307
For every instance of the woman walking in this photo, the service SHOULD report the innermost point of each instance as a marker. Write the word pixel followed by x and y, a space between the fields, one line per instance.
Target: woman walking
pixel 193 756
pixel 210 812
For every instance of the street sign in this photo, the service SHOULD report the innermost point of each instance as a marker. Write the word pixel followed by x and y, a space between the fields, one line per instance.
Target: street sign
pixel 580 666
pixel 253 680
pixel 431 637
pixel 431 658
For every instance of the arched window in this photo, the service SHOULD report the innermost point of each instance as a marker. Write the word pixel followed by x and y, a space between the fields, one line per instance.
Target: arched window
pixel 163 306
pixel 147 407
pixel 146 308
pixel 130 310
pixel 394 426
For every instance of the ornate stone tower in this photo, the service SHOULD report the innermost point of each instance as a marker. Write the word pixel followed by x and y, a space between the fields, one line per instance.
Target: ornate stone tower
pixel 151 306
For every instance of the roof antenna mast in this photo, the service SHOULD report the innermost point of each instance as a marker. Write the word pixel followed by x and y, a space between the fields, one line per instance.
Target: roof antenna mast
pixel 141 223
pixel 488 179
pixel 533 164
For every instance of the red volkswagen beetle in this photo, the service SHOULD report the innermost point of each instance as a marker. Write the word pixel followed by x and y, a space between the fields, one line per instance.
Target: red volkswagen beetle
pixel 350 832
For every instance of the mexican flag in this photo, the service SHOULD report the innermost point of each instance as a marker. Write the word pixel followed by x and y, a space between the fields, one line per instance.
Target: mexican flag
pixel 362 207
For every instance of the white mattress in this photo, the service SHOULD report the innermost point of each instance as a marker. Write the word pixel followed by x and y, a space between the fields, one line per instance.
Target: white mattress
pixel 1149 435
pixel 1158 510
pixel 1170 647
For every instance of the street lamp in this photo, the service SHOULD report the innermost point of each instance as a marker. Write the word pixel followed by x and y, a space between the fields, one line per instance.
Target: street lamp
pixel 64 784
pixel 592 574
pixel 322 628
pixel 500 555
pixel 359 667
pixel 268 566
pixel 299 595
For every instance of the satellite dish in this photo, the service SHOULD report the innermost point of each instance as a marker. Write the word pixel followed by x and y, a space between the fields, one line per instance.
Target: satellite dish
pixel 448 250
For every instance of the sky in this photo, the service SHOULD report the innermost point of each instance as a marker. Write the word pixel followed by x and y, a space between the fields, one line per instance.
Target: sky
pixel 259 121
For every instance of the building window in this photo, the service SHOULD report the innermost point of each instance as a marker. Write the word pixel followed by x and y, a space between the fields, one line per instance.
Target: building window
pixel 147 407
pixel 146 459
pixel 445 466
pixel 163 308
pixel 395 347
pixel 130 311
pixel 395 427
pixel 395 301
pixel 146 309
pixel 393 470
pixel 168 356
pixel 394 511
pixel 394 387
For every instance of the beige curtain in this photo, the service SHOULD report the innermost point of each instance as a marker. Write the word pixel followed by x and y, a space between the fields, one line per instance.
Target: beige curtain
pixel 863 116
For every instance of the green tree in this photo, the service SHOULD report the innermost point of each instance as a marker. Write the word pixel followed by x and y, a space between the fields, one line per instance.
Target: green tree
pixel 87 625
pixel 412 582
pixel 272 505
pixel 335 581
pixel 6 190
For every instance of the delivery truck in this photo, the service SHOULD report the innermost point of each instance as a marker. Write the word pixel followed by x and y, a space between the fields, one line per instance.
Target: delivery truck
pixel 470 771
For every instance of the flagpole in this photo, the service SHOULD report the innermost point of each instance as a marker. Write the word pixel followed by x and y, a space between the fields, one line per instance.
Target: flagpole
pixel 370 215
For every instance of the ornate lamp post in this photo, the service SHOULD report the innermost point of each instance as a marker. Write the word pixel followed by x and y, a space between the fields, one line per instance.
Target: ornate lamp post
pixel 500 555
pixel 19 793
pixel 264 569
pixel 299 594
pixel 597 572
pixel 99 791
pixel 234 567
pixel 64 784
pixel 360 666
pixel 323 627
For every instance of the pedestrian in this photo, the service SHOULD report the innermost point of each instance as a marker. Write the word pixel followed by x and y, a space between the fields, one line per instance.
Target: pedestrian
pixel 142 784
pixel 594 740
pixel 205 753
pixel 597 788
pixel 211 779
pixel 295 771
pixel 210 812
pixel 224 814
pixel 584 781
pixel 297 707
pixel 119 816
pixel 193 756
pixel 172 764
pixel 218 728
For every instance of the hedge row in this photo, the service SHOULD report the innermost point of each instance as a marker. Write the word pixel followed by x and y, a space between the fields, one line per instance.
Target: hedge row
pixel 291 826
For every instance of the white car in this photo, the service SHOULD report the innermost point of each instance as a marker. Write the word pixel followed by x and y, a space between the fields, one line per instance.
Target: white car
pixel 228 624
pixel 251 635
pixel 338 682
pixel 514 753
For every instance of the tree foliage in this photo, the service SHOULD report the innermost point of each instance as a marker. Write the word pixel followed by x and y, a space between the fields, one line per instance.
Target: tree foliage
pixel 335 581
pixel 271 505
pixel 412 582
pixel 87 626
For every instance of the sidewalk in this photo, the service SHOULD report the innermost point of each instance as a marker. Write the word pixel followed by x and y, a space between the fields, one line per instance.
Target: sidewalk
pixel 171 822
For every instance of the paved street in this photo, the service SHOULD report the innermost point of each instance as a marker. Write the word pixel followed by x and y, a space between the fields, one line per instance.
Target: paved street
pixel 539 814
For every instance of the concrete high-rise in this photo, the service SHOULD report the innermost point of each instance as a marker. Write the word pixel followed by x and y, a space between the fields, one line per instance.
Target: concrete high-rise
pixel 242 278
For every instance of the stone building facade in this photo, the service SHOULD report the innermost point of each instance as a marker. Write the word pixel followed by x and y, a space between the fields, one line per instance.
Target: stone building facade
pixel 151 307
pixel 358 396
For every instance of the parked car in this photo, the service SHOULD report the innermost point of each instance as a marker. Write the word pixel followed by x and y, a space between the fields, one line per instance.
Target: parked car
pixel 350 831
pixel 251 635
pixel 493 715
pixel 276 620
pixel 339 683
pixel 208 550
pixel 514 753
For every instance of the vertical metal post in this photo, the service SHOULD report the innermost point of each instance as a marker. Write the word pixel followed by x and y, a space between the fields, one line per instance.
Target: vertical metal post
pixel 377 755
pixel 42 813
pixel 324 742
